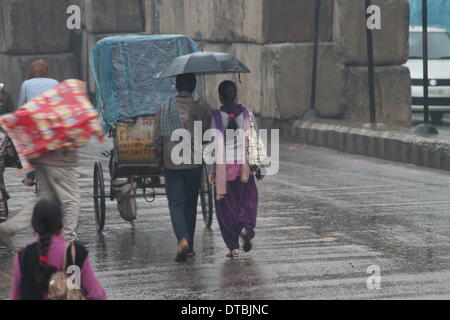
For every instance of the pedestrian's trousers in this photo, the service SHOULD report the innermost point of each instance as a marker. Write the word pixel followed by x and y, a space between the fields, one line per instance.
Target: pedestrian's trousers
pixel 59 182
pixel 182 188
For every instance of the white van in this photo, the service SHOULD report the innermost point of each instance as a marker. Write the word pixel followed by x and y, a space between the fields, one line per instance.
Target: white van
pixel 438 71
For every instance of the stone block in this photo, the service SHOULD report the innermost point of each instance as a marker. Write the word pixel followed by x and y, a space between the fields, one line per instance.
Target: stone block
pixel 280 83
pixel 34 27
pixel 111 16
pixel 256 21
pixel 391 42
pixel 286 80
pixel 392 95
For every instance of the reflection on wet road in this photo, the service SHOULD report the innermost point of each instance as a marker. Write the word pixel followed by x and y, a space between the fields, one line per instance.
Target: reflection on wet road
pixel 324 219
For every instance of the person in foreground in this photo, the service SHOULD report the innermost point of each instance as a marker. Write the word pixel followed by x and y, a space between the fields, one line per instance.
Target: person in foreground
pixel 182 179
pixel 237 195
pixel 35 264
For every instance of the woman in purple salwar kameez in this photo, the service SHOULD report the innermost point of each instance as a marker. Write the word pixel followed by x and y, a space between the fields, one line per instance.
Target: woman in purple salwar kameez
pixel 237 195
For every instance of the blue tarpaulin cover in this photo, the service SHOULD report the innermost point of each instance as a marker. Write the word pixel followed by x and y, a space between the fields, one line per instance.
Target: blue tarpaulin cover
pixel 125 70
pixel 438 13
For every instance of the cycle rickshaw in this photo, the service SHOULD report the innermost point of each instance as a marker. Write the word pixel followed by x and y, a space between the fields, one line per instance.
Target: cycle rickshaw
pixel 128 94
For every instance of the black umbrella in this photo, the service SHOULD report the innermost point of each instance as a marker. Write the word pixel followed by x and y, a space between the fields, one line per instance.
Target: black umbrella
pixel 202 63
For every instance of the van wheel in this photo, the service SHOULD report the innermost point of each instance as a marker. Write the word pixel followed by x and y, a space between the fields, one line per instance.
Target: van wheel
pixel 436 117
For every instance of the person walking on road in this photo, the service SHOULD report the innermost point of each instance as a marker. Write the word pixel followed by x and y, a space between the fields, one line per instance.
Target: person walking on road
pixel 38 82
pixel 35 264
pixel 55 172
pixel 237 194
pixel 182 180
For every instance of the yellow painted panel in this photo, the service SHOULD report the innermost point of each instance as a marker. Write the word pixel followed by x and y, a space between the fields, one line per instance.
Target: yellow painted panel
pixel 133 142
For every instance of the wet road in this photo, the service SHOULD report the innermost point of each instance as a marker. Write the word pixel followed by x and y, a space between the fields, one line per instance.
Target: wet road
pixel 324 219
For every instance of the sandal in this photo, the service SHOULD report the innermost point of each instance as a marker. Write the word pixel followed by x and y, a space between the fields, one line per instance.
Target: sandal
pixel 233 254
pixel 248 245
pixel 183 254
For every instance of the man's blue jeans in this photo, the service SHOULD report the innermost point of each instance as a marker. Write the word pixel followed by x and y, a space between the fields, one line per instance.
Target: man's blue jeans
pixel 182 188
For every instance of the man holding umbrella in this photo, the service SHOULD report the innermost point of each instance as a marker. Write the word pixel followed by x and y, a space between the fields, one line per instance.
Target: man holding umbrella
pixel 182 180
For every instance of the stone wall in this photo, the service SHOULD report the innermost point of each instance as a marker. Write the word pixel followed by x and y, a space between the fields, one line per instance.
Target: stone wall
pixel 33 27
pixel 113 16
pixel 256 21
pixel 391 50
pixel 31 30
pixel 107 18
pixel 273 38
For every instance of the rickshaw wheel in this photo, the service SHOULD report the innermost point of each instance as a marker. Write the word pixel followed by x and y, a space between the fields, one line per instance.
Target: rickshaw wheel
pixel 4 199
pixel 206 198
pixel 99 197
